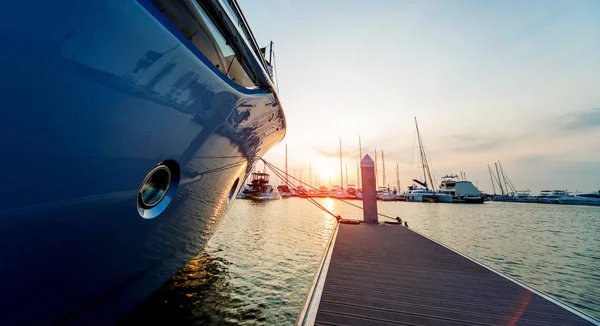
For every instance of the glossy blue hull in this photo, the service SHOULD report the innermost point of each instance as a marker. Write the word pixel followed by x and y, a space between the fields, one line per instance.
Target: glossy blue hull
pixel 94 95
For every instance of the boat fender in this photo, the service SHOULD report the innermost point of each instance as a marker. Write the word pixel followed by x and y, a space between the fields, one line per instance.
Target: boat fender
pixel 406 223
pixel 399 219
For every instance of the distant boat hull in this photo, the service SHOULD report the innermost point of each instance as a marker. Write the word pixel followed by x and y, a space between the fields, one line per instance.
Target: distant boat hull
pixel 428 197
pixel 577 200
pixel 264 197
pixel 472 200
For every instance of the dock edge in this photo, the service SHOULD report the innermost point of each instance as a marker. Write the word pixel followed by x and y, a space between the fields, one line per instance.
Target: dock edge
pixel 310 307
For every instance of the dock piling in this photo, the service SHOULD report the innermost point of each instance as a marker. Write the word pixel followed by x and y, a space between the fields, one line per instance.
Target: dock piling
pixel 367 171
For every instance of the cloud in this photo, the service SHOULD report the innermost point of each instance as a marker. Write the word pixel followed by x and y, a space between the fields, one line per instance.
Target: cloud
pixel 536 160
pixel 335 153
pixel 580 121
pixel 469 143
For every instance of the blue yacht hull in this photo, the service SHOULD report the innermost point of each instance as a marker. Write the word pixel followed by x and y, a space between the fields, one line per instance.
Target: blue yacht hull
pixel 95 94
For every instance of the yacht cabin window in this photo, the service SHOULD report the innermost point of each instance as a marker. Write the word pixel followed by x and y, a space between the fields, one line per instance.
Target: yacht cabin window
pixel 195 25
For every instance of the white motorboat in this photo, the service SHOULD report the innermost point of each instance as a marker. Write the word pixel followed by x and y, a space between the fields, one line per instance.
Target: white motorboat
pixel 260 189
pixel 427 196
pixel 525 197
pixel 400 196
pixel 461 191
pixel 385 194
pixel 551 196
pixel 590 198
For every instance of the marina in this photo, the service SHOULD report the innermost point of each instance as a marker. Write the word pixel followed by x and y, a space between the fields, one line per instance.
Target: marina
pixel 147 178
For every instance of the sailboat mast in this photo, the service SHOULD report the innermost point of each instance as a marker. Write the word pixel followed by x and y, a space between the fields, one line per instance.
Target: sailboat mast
pixel 357 176
pixel 310 180
pixel 341 171
pixel 357 164
pixel 507 180
pixel 376 174
pixel 383 167
pixel 287 182
pixel 422 154
pixel 492 179
pixel 346 175
pixel 499 179
pixel 398 176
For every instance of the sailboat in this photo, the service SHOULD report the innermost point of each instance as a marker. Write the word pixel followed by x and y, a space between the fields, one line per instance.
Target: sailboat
pixel 427 193
pixel 339 191
pixel 384 193
pixel 400 196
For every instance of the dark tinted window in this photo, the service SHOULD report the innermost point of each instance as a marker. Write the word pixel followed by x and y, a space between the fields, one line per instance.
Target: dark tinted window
pixel 195 25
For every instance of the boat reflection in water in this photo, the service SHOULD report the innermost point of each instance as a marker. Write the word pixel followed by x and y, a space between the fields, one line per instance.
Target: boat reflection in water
pixel 106 98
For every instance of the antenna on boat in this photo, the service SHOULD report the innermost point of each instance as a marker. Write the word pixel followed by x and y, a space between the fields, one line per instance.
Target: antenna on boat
pixel 309 174
pixel 286 167
pixel 273 63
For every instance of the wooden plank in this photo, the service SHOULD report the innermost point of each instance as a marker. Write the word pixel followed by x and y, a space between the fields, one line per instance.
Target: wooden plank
pixel 391 275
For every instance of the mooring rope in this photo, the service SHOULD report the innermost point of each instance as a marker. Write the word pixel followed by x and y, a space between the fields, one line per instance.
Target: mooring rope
pixel 280 172
pixel 285 177
pixel 311 200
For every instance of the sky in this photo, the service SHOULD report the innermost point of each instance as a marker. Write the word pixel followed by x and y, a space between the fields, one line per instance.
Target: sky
pixel 510 81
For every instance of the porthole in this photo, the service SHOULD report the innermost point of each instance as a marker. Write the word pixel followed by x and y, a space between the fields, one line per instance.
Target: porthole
pixel 158 189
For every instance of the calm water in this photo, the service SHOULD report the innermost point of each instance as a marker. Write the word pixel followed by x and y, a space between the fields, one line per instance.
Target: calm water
pixel 259 265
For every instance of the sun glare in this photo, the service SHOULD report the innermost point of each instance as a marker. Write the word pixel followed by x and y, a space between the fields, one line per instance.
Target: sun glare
pixel 326 171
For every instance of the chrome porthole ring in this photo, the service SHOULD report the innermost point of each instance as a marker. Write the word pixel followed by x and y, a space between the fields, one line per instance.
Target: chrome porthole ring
pixel 157 189
pixel 155 186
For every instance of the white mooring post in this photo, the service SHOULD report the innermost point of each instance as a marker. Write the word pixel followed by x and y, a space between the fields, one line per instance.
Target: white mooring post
pixel 367 171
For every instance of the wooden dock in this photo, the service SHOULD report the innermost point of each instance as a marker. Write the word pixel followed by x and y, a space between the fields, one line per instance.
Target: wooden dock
pixel 379 274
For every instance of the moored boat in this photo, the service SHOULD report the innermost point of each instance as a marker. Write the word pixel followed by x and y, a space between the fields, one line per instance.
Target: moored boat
pixel 323 192
pixel 551 196
pixel 385 194
pixel 461 191
pixel 428 193
pixel 352 192
pixel 284 191
pixel 589 199
pixel 260 189
pixel 525 197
